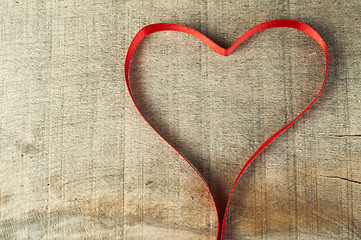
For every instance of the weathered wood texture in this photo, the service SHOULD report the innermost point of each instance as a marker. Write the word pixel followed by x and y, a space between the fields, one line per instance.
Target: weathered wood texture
pixel 78 162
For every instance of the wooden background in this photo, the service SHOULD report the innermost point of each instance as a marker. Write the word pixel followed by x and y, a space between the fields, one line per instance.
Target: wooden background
pixel 78 162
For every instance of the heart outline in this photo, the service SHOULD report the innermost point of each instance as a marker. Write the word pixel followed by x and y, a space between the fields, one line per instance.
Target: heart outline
pixel 157 27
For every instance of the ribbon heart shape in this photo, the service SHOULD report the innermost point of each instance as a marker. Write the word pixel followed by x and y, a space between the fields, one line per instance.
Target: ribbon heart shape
pixel 225 52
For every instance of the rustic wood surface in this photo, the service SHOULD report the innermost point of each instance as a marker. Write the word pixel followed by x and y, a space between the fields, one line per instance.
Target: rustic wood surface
pixel 77 161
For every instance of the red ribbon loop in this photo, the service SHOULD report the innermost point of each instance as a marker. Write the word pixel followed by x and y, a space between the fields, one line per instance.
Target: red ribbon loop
pixel 225 52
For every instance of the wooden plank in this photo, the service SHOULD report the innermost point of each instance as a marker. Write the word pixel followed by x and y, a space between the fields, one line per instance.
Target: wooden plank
pixel 78 162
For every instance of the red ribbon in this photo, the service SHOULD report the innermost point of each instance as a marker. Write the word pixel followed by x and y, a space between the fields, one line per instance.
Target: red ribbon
pixel 225 52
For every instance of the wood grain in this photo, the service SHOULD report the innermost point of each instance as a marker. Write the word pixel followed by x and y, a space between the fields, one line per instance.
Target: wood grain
pixel 78 162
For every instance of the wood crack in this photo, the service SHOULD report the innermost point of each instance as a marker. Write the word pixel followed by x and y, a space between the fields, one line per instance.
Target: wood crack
pixel 343 178
pixel 348 135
